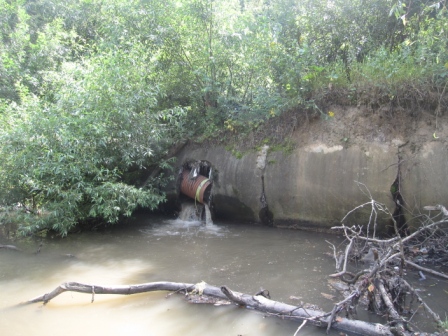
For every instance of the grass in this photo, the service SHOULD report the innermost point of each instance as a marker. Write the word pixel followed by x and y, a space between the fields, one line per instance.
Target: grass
pixel 445 324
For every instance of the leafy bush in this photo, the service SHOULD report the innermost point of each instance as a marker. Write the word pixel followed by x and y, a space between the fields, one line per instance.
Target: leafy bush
pixel 66 159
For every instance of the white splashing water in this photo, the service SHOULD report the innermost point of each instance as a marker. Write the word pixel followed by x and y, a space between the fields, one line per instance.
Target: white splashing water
pixel 191 212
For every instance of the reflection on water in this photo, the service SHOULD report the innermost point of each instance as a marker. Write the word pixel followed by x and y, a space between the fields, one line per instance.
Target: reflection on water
pixel 245 258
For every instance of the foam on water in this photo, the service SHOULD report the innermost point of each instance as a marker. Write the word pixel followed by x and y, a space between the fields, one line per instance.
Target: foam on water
pixel 189 223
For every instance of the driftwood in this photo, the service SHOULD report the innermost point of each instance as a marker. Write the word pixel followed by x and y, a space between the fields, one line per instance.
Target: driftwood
pixel 211 294
pixel 9 247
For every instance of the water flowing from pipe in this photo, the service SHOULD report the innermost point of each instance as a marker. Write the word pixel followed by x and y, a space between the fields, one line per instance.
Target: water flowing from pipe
pixel 193 212
pixel 208 216
pixel 190 213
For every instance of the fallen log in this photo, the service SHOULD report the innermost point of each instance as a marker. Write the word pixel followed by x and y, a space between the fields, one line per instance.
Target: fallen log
pixel 256 302
pixel 9 247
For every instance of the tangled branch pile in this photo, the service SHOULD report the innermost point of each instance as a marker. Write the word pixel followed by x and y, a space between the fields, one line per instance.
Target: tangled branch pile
pixel 381 285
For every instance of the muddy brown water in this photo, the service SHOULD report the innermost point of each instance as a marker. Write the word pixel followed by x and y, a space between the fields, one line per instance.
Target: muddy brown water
pixel 290 264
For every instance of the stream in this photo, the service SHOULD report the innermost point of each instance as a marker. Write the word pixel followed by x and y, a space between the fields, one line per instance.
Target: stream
pixel 292 265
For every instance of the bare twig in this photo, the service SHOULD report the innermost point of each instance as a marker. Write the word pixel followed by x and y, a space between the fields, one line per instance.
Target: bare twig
pixel 300 327
pixel 347 251
pixel 353 210
pixel 372 240
pixel 336 259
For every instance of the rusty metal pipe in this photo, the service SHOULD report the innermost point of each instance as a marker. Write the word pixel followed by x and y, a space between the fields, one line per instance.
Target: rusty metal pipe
pixel 195 188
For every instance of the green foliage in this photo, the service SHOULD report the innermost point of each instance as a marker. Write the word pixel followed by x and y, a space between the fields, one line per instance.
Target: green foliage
pixel 286 147
pixel 92 92
pixel 237 154
pixel 67 158
pixel 445 323
pixel 28 52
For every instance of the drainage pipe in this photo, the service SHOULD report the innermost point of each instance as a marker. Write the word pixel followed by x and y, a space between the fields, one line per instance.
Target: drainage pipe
pixel 197 188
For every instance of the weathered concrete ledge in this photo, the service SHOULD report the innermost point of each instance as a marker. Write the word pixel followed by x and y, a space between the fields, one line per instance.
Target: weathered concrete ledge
pixel 317 185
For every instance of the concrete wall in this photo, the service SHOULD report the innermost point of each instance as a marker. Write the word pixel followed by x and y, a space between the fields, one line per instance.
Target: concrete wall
pixel 316 185
pixel 425 177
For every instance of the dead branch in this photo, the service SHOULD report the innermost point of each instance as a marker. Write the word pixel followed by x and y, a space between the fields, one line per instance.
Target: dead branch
pixel 437 207
pixel 397 319
pixel 383 282
pixel 337 259
pixel 339 306
pixel 256 302
pixel 388 302
pixel 347 252
pixel 355 231
pixel 428 270
pixel 423 303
